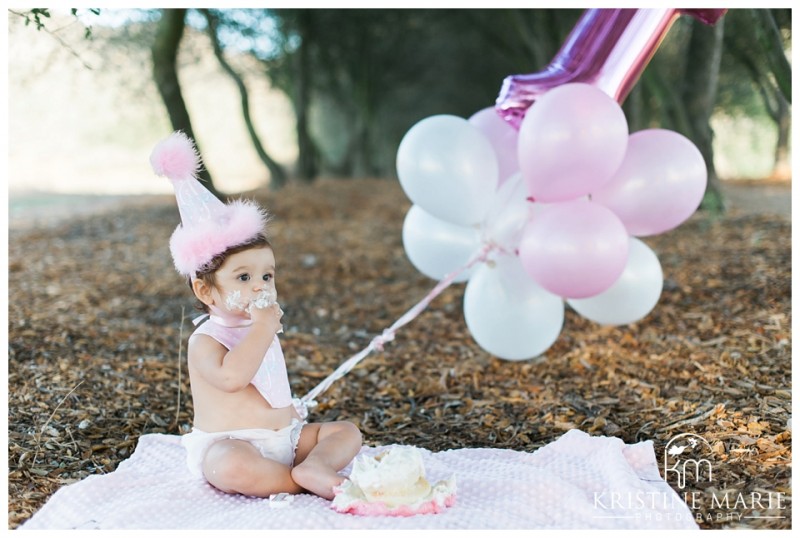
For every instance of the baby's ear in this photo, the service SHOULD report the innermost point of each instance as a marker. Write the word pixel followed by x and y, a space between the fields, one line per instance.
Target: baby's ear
pixel 203 291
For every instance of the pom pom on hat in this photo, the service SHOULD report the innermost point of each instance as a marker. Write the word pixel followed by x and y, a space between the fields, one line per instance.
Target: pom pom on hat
pixel 208 226
pixel 175 157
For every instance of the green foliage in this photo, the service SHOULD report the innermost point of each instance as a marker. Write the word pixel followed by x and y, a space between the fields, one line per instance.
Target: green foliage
pixel 747 85
pixel 362 77
pixel 37 17
pixel 770 42
pixel 380 71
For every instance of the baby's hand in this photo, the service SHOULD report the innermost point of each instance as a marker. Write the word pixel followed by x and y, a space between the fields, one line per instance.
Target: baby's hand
pixel 267 317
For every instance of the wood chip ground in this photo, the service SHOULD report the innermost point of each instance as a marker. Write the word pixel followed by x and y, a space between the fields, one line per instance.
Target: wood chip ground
pixel 97 315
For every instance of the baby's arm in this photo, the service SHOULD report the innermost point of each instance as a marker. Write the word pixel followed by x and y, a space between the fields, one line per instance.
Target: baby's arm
pixel 233 370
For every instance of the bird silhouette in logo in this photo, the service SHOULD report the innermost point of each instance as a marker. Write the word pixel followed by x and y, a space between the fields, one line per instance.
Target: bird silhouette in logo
pixel 677 449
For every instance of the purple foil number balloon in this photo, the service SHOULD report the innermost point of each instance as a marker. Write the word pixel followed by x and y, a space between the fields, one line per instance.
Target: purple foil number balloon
pixel 608 48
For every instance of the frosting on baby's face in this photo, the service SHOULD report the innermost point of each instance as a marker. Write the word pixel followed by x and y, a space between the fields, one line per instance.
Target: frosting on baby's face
pixel 234 301
pixel 264 299
pixel 246 280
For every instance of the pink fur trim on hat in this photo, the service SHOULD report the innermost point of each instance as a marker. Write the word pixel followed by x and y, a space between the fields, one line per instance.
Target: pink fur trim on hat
pixel 175 157
pixel 192 248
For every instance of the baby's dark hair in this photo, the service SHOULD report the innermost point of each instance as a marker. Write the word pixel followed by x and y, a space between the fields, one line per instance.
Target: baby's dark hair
pixel 208 272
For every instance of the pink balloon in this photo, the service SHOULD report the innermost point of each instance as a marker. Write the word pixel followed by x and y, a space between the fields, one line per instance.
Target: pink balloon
pixel 660 183
pixel 608 48
pixel 574 249
pixel 503 138
pixel 571 142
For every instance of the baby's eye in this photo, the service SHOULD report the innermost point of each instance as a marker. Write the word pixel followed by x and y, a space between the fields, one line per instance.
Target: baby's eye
pixel 244 277
pixel 267 277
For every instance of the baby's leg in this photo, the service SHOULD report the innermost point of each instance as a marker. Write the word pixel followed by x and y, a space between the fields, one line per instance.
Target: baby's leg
pixel 235 466
pixel 323 450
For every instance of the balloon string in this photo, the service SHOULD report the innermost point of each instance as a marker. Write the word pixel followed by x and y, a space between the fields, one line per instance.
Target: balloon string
pixel 388 334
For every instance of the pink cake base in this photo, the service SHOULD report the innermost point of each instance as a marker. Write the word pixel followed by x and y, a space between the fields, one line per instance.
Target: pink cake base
pixel 363 508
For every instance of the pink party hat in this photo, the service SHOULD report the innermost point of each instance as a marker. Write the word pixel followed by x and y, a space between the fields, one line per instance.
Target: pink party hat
pixel 208 226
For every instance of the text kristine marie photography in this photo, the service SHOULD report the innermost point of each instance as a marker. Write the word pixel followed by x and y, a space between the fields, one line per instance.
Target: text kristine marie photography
pixel 687 464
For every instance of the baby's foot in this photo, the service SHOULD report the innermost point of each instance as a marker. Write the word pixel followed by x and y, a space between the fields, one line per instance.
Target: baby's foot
pixel 317 478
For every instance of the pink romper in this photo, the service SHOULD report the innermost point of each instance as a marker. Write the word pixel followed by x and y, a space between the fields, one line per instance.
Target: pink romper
pixel 271 381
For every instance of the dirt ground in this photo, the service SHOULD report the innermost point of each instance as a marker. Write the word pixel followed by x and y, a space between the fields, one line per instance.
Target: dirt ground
pixel 97 316
pixel 758 198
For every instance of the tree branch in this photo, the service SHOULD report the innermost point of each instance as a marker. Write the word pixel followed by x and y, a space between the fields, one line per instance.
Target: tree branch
pixel 41 26
pixel 277 174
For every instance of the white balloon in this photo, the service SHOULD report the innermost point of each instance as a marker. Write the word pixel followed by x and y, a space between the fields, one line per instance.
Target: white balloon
pixel 448 168
pixel 632 296
pixel 437 248
pixel 510 209
pixel 508 314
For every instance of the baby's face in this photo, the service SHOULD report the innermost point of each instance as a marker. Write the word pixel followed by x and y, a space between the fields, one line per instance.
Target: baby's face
pixel 243 277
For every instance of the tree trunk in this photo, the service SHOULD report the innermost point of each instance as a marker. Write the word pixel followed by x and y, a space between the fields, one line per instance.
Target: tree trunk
pixel 674 115
pixel 165 55
pixel 769 38
pixel 698 95
pixel 361 97
pixel 307 156
pixel 632 107
pixel 774 103
pixel 277 174
pixel 361 157
pixel 783 166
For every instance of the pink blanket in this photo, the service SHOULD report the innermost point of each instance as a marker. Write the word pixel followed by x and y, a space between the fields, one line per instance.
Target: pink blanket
pixel 577 481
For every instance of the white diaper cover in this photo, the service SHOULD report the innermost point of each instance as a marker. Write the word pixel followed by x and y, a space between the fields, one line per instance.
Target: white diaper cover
pixel 278 445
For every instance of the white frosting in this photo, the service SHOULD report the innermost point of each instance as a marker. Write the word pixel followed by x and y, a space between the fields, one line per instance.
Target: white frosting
pixel 395 478
pixel 264 299
pixel 234 301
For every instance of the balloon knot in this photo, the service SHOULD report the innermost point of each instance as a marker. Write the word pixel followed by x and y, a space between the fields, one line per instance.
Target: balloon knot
pixel 302 406
pixel 385 337
pixel 488 248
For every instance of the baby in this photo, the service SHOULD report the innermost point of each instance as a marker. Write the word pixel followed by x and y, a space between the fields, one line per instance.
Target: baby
pixel 247 436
